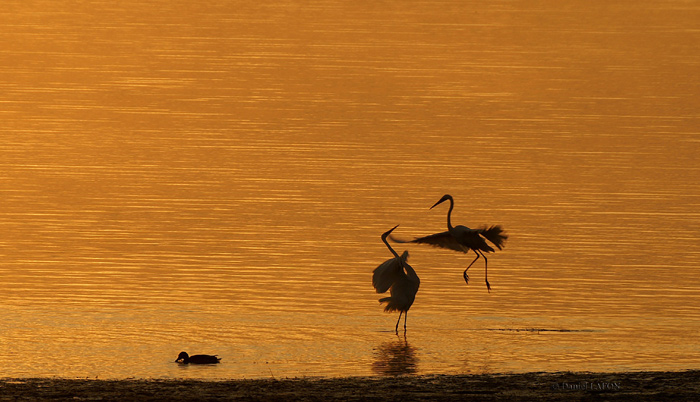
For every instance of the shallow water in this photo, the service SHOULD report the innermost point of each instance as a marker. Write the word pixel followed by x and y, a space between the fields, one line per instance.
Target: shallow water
pixel 215 179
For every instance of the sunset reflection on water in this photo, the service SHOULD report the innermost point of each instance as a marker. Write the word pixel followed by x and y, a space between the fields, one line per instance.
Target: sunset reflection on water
pixel 216 178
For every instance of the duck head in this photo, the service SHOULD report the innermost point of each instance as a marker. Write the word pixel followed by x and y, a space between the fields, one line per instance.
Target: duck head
pixel 183 356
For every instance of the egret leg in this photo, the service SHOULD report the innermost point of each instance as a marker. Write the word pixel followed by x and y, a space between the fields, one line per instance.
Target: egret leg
pixel 486 272
pixel 397 322
pixel 466 277
pixel 405 317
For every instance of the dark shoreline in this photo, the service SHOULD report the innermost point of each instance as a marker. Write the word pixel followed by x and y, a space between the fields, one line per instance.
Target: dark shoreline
pixel 638 386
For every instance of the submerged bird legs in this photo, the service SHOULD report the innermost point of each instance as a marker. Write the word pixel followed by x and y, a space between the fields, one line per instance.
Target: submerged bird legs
pixel 404 322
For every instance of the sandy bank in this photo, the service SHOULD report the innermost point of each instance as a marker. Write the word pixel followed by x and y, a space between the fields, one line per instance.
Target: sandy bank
pixel 638 386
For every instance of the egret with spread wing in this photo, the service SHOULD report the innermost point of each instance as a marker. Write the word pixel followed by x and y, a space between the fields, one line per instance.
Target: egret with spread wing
pixel 400 279
pixel 462 238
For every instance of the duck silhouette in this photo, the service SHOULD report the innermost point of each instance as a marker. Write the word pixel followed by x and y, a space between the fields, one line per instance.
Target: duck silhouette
pixel 184 358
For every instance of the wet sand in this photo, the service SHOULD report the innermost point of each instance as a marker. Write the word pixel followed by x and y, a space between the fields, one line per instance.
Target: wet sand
pixel 638 386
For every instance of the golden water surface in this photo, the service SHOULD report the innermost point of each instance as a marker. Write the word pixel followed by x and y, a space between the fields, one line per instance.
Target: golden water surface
pixel 214 177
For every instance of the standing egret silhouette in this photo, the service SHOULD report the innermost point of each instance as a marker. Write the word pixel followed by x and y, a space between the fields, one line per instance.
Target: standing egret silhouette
pixel 403 286
pixel 461 238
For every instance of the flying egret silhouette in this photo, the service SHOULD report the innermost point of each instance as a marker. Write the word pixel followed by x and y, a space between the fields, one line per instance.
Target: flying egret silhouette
pixel 461 238
pixel 402 286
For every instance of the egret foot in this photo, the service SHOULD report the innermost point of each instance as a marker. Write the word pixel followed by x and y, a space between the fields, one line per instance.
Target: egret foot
pixel 466 277
pixel 488 286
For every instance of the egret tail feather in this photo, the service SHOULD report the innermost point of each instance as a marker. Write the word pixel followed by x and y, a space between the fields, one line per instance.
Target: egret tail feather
pixel 495 235
pixel 391 304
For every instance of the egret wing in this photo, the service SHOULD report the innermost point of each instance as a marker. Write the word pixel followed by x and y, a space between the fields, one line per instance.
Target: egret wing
pixel 442 240
pixel 388 273
pixel 411 275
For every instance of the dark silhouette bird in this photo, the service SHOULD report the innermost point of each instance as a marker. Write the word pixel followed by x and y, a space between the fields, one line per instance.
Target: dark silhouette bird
pixel 400 279
pixel 461 238
pixel 184 358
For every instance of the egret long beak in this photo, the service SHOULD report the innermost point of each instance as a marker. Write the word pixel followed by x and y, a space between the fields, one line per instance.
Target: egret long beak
pixel 443 199
pixel 389 232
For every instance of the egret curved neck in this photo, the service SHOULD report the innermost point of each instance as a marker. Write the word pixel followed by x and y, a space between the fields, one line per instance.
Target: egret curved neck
pixel 449 213
pixel 389 247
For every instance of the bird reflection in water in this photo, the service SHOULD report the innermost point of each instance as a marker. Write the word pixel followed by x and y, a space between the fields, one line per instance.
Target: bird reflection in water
pixel 395 358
